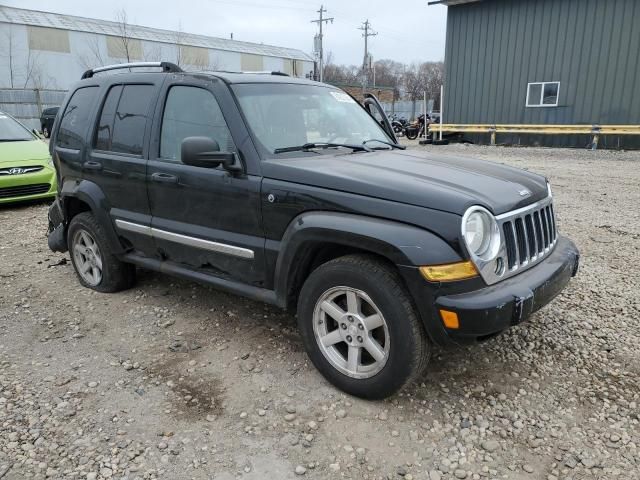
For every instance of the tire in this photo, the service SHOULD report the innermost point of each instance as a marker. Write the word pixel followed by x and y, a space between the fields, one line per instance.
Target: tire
pixel 90 253
pixel 411 133
pixel 402 336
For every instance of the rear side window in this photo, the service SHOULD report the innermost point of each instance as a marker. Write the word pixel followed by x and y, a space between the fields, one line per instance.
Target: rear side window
pixel 76 118
pixel 124 118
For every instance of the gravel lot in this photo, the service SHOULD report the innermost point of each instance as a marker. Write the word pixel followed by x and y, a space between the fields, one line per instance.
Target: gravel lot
pixel 174 380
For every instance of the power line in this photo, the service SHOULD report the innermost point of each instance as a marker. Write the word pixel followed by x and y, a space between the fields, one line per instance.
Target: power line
pixel 368 32
pixel 321 21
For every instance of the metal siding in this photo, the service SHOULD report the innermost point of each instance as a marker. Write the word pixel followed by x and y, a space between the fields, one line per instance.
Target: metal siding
pixel 494 48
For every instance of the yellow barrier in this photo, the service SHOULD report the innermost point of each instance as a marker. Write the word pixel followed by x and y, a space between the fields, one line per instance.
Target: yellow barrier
pixel 594 130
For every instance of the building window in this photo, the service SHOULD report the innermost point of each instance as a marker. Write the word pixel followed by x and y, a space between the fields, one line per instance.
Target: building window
pixel 48 39
pixel 543 94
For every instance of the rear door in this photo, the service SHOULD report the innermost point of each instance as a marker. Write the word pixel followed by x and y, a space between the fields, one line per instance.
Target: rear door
pixel 207 219
pixel 117 161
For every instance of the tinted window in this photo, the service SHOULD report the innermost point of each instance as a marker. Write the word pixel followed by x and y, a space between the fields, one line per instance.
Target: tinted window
pixel 105 126
pixel 192 112
pixel 131 119
pixel 76 118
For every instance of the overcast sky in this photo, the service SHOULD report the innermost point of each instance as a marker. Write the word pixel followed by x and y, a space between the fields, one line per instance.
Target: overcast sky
pixel 407 31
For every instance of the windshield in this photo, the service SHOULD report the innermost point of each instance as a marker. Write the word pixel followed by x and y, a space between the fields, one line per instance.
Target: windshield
pixel 287 115
pixel 12 131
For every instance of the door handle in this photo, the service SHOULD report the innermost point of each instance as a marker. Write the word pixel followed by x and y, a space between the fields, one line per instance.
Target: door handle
pixel 90 165
pixel 164 178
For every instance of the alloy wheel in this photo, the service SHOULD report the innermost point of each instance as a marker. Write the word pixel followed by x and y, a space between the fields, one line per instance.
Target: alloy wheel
pixel 87 257
pixel 351 332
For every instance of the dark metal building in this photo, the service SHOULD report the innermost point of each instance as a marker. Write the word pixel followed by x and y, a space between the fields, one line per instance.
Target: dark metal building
pixel 544 62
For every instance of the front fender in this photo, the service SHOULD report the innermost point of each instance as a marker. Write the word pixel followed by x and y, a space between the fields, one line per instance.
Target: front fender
pixel 400 243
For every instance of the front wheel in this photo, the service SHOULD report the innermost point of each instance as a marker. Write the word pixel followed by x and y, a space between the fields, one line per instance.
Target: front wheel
pixel 360 327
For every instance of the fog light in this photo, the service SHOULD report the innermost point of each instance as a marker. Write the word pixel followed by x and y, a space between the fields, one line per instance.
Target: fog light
pixel 449 272
pixel 450 319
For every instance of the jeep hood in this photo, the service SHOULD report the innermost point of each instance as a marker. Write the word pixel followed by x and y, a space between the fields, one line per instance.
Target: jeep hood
pixel 436 181
pixel 35 150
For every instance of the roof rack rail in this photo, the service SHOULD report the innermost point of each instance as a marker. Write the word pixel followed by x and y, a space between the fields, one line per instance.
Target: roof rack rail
pixel 268 72
pixel 167 67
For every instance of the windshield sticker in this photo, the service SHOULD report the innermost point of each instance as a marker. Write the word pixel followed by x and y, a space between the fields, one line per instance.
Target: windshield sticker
pixel 342 97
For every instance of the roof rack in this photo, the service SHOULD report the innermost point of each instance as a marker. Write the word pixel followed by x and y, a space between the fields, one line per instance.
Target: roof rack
pixel 268 72
pixel 167 67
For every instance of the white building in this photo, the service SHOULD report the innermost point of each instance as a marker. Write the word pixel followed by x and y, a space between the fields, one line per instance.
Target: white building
pixel 51 51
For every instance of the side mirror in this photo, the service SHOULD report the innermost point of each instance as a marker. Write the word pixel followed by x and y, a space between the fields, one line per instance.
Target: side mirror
pixel 205 152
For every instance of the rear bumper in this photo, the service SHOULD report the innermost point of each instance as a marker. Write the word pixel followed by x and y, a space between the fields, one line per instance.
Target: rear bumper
pixel 487 311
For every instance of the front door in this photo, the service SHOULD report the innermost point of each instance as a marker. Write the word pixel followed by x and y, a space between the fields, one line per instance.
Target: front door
pixel 206 219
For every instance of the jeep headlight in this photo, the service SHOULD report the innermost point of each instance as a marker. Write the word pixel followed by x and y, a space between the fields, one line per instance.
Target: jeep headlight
pixel 481 234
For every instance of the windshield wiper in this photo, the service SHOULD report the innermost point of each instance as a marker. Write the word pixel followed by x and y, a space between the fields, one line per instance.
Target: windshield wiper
pixel 392 145
pixel 310 146
pixel 14 139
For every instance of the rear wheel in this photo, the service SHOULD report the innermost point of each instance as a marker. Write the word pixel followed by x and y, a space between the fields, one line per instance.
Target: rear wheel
pixel 360 327
pixel 95 265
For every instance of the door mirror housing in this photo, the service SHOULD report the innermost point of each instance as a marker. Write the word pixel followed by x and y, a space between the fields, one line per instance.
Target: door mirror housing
pixel 205 152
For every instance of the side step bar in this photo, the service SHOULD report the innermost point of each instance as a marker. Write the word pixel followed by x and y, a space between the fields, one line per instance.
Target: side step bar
pixel 237 288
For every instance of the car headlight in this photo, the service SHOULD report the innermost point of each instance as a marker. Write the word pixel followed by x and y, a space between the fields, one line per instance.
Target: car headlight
pixel 549 189
pixel 481 234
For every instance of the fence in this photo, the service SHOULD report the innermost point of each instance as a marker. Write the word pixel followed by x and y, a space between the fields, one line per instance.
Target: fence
pixel 594 131
pixel 26 105
pixel 408 109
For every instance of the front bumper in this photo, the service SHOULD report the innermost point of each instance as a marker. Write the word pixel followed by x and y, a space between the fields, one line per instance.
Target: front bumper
pixel 28 186
pixel 485 312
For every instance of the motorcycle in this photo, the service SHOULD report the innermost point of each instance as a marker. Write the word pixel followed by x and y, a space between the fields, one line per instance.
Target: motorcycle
pixel 416 129
pixel 398 124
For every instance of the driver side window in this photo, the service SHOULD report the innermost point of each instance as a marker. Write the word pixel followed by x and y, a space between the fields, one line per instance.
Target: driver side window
pixel 192 112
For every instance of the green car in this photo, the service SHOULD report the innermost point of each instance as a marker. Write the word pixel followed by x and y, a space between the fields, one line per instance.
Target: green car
pixel 26 168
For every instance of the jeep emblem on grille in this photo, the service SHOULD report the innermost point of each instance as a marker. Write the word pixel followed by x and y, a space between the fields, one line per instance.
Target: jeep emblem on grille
pixel 524 193
pixel 16 171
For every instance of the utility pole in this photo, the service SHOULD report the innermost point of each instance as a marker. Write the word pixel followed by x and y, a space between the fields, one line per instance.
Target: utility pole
pixel 368 32
pixel 321 21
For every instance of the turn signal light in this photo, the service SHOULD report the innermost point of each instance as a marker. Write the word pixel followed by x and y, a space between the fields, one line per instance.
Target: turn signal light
pixel 450 319
pixel 449 272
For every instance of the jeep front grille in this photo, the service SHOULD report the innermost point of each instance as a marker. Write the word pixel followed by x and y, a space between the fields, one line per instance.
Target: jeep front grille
pixel 529 234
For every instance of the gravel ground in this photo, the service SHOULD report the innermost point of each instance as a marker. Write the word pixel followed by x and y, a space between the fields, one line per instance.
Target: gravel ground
pixel 174 380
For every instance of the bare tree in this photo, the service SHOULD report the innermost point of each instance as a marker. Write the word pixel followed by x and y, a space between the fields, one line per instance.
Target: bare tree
pixel 93 57
pixel 9 54
pixel 178 40
pixel 124 34
pixel 32 70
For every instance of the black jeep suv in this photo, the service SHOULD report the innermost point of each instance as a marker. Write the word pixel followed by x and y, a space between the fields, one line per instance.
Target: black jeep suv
pixel 290 192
